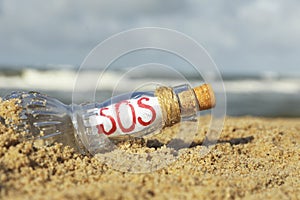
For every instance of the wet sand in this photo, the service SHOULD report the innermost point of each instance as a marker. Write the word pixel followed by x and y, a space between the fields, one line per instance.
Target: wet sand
pixel 254 158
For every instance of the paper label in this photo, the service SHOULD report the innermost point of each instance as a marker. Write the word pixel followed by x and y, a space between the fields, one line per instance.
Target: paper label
pixel 127 117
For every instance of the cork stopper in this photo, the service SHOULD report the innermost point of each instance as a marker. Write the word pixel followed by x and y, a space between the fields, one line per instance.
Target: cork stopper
pixel 205 96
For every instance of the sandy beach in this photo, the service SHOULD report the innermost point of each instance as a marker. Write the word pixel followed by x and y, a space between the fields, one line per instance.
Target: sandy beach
pixel 254 158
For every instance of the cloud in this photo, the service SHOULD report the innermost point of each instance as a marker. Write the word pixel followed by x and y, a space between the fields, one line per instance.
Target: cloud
pixel 244 34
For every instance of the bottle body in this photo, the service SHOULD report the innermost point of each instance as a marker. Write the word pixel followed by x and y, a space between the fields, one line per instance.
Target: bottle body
pixel 134 114
pixel 90 128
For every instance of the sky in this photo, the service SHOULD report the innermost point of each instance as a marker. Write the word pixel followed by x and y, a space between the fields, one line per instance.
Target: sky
pixel 239 35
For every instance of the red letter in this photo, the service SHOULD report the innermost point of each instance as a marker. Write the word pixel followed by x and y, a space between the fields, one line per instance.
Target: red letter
pixel 100 127
pixel 125 130
pixel 140 104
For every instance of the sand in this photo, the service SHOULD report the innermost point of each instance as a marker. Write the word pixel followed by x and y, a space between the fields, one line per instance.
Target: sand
pixel 254 158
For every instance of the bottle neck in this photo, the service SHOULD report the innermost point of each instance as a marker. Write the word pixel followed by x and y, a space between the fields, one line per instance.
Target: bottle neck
pixel 177 104
pixel 187 100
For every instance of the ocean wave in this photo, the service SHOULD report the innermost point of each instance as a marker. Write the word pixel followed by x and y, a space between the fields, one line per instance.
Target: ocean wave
pixel 64 80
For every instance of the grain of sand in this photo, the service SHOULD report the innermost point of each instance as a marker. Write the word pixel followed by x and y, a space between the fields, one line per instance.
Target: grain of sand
pixel 254 158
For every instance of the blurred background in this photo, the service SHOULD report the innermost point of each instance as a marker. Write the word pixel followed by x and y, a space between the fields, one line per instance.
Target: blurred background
pixel 255 44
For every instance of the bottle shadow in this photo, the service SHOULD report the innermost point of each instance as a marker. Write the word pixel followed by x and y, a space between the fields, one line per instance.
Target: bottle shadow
pixel 2 120
pixel 179 144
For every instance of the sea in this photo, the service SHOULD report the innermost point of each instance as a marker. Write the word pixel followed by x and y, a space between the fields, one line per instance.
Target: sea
pixel 267 94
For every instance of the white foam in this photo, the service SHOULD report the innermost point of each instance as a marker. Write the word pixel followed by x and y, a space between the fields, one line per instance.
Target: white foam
pixel 64 79
pixel 255 86
pixel 34 79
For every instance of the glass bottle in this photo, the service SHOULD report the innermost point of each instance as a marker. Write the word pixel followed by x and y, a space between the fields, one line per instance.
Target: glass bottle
pixel 91 128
